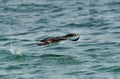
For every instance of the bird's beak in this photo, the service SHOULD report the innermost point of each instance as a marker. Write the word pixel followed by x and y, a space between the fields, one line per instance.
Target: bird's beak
pixel 77 34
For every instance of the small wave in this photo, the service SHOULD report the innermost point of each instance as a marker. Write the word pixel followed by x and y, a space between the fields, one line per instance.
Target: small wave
pixel 75 72
pixel 113 3
pixel 115 27
pixel 118 45
pixel 28 7
pixel 73 25
pixel 108 69
pixel 108 43
pixel 12 68
pixel 92 49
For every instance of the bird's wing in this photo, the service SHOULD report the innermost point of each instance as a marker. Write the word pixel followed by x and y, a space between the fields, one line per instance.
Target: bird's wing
pixel 75 39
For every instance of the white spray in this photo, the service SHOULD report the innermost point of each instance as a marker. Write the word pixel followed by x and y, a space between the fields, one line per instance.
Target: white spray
pixel 15 50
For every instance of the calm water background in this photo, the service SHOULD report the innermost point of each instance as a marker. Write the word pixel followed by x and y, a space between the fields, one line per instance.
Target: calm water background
pixel 95 56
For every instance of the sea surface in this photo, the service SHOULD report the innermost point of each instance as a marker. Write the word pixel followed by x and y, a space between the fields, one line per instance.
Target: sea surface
pixel 96 55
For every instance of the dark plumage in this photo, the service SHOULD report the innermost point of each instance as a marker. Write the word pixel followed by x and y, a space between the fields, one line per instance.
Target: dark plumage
pixel 57 39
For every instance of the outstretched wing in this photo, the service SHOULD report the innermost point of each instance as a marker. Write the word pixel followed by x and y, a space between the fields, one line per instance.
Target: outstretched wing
pixel 75 39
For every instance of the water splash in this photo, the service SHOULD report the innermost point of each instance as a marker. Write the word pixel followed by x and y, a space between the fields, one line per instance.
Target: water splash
pixel 15 50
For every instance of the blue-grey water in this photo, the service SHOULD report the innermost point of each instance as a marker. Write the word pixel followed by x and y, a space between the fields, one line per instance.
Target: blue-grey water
pixel 96 55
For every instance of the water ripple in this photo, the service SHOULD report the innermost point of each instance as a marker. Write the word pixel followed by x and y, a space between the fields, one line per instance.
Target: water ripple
pixel 94 56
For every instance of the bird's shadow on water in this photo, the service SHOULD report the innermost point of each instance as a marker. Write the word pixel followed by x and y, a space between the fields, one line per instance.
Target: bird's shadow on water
pixel 57 59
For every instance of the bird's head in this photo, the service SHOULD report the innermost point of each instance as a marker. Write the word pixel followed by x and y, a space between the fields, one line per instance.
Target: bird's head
pixel 72 35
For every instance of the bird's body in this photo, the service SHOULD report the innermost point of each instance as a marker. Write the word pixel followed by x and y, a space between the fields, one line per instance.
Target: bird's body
pixel 56 39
